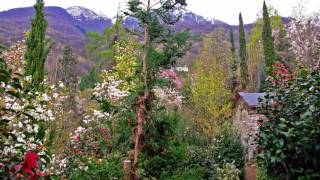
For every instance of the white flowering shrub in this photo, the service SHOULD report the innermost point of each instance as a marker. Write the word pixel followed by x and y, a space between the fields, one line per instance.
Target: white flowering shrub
pixel 168 97
pixel 25 117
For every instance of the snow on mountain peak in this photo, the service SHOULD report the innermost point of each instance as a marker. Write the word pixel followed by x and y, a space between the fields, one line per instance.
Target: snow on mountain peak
pixel 80 12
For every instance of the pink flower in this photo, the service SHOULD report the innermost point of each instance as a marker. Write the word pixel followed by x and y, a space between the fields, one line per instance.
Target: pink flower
pixel 169 73
pixel 18 167
pixel 173 77
pixel 76 137
pixel 95 146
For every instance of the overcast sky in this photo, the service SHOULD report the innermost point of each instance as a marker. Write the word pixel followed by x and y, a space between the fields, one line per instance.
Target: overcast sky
pixel 225 10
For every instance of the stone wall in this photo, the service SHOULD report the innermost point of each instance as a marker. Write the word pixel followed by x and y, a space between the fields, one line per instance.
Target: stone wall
pixel 247 122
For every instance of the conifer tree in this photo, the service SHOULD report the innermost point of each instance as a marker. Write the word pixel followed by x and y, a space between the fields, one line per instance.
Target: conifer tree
pixel 156 17
pixel 234 65
pixel 66 69
pixel 67 75
pixel 268 44
pixel 37 46
pixel 243 55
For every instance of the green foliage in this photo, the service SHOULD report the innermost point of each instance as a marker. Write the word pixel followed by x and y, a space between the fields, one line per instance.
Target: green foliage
pixel 98 169
pixel 228 171
pixel 163 150
pixel 223 156
pixel 89 80
pixel 37 46
pixel 243 55
pixel 228 147
pixel 289 140
pixel 268 44
pixel 100 46
pixel 209 95
pixel 256 60
pixel 234 64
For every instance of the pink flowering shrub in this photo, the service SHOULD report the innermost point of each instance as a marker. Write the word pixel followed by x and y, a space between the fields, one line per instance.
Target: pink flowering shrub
pixel 172 76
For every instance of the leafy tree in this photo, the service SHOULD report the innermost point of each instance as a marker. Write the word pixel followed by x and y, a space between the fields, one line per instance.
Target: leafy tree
pixel 37 46
pixel 89 80
pixel 209 93
pixel 268 44
pixel 100 46
pixel 101 50
pixel 243 55
pixel 234 64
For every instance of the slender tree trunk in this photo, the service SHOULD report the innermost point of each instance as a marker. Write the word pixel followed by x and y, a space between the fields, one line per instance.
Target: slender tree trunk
pixel 141 100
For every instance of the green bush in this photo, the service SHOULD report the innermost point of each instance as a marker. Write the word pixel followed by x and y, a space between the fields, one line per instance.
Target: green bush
pixel 163 151
pixel 89 80
pixel 290 141
pixel 99 169
pixel 226 148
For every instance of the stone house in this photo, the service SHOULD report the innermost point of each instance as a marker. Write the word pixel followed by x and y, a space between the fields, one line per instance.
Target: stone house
pixel 247 118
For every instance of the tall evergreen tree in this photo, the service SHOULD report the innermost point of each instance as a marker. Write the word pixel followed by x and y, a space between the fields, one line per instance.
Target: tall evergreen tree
pixel 37 46
pixel 243 55
pixel 156 18
pixel 234 65
pixel 268 44
pixel 67 75
pixel 66 69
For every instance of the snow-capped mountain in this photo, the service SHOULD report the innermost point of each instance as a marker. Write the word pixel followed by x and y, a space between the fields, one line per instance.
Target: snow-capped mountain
pixel 88 20
pixel 80 12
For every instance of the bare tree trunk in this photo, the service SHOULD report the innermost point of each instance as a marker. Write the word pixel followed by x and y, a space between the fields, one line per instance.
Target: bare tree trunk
pixel 141 100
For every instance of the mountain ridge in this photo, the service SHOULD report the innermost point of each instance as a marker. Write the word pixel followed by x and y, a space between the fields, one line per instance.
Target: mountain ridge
pixel 69 27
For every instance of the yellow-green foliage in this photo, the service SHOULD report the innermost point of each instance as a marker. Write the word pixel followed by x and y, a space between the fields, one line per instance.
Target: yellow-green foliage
pixel 126 59
pixel 211 98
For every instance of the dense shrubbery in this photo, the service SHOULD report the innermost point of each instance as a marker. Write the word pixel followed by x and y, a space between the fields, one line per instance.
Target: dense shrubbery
pixel 223 153
pixel 26 123
pixel 289 141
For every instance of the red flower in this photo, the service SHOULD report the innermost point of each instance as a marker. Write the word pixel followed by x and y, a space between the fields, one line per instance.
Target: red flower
pixel 30 162
pixel 31 159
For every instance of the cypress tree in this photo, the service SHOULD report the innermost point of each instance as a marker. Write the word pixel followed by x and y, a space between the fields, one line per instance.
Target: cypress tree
pixel 233 62
pixel 243 54
pixel 67 74
pixel 37 46
pixel 66 69
pixel 268 44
